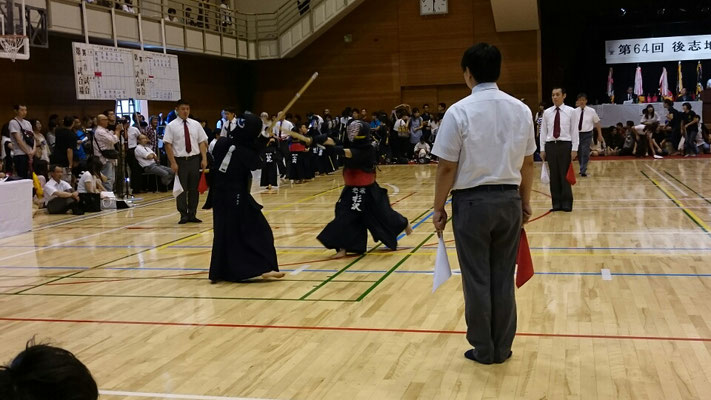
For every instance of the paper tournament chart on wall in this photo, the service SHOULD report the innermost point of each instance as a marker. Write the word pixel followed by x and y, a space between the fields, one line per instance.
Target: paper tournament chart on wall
pixel 110 73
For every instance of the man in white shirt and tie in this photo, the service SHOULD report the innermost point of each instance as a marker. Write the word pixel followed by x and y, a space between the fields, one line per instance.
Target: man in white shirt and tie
pixel 186 147
pixel 587 120
pixel 485 146
pixel 230 122
pixel 559 145
pixel 281 131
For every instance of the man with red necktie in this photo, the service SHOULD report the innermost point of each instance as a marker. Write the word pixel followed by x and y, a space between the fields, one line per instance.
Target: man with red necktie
pixel 559 145
pixel 186 146
pixel 587 120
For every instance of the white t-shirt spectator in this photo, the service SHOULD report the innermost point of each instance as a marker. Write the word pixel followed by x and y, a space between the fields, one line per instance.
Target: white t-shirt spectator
pixel 52 187
pixel 422 146
pixel 401 128
pixel 86 178
pixel 142 153
pixel 133 134
pixel 19 126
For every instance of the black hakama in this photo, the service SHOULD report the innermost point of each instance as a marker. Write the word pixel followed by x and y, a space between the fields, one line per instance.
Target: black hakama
pixel 361 209
pixel 297 169
pixel 243 244
pixel 269 168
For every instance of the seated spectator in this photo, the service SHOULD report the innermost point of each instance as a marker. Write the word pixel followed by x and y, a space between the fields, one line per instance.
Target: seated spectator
pixel 629 145
pixel 172 15
pixel 43 372
pixel 597 148
pixel 703 141
pixel 58 195
pixel 149 161
pixel 90 186
pixel 422 151
pixel 128 7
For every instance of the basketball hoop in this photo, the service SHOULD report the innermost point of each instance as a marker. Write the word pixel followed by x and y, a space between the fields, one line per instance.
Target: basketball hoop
pixel 11 45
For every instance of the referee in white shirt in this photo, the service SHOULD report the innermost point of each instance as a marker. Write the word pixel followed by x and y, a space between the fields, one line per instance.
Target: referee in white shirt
pixel 186 147
pixel 559 146
pixel 587 119
pixel 485 146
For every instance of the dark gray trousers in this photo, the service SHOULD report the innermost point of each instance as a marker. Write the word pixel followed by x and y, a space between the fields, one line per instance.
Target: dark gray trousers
pixel 60 205
pixel 487 229
pixel 558 158
pixel 189 175
pixel 586 139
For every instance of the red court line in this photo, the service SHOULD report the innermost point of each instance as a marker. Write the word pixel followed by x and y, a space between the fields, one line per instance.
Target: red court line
pixel 392 204
pixel 342 329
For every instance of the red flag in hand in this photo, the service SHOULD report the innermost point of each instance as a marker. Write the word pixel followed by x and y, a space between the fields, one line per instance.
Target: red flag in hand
pixel 570 176
pixel 523 260
pixel 202 185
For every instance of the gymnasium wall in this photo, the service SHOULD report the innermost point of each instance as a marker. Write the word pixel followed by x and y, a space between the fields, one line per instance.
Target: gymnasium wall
pixel 396 55
pixel 46 84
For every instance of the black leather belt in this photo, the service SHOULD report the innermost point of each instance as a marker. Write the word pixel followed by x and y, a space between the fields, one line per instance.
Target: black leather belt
pixel 188 157
pixel 487 188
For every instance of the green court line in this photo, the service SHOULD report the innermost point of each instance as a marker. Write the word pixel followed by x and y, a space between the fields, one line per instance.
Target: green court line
pixel 111 261
pixel 687 186
pixel 342 270
pixel 168 297
pixel 397 265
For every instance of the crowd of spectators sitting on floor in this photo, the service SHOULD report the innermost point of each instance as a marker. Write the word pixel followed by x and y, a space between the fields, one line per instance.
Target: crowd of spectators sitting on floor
pixel 74 160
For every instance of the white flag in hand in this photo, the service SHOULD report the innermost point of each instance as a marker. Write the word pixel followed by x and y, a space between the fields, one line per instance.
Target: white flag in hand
pixel 545 178
pixel 177 187
pixel 442 270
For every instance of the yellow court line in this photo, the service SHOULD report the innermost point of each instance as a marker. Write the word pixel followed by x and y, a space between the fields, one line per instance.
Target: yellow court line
pixel 191 237
pixel 688 212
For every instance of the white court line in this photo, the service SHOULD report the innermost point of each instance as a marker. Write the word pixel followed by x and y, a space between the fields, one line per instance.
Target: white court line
pixel 396 189
pixel 85 237
pixel 172 395
pixel 683 193
pixel 299 270
pixel 606 275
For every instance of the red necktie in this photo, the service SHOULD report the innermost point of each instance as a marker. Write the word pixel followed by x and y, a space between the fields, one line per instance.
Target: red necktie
pixel 188 145
pixel 556 124
pixel 580 124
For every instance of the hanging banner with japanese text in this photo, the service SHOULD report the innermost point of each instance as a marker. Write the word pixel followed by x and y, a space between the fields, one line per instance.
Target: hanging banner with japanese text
pixel 673 48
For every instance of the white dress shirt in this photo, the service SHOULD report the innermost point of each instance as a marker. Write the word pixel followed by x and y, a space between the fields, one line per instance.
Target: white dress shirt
pixel 175 135
pixel 227 126
pixel 282 128
pixel 590 118
pixel 104 140
pixel 142 153
pixel 568 127
pixel 488 133
pixel 133 134
pixel 52 187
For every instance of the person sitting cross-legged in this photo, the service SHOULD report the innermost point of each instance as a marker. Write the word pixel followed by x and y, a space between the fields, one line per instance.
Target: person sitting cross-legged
pixel 149 161
pixel 58 195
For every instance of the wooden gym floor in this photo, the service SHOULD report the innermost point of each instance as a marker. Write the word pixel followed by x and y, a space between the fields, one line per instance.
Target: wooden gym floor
pixel 618 308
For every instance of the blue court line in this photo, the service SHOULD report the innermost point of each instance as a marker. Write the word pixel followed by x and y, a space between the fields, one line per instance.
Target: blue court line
pixel 402 235
pixel 424 272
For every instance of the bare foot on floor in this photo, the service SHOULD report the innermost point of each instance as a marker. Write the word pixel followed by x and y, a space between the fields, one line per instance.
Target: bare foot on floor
pixel 273 275
pixel 408 229
pixel 340 254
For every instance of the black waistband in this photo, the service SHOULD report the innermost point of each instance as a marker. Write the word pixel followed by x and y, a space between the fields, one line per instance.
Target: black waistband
pixel 487 188
pixel 188 157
